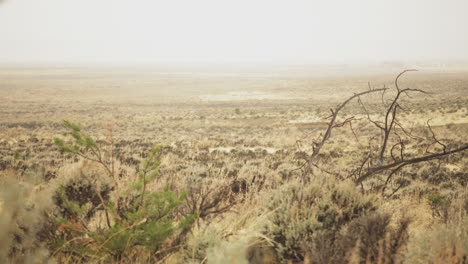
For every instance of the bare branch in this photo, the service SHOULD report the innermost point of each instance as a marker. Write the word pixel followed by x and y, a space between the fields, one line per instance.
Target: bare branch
pixel 399 75
pixel 376 123
pixel 372 171
pixel 317 146
pixel 331 124
pixel 394 134
pixel 436 141
pixel 391 114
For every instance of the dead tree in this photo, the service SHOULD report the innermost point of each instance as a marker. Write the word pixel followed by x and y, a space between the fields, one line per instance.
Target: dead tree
pixel 386 159
pixel 317 145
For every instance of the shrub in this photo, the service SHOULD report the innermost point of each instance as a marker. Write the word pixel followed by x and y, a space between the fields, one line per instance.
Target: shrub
pixel 367 239
pixel 445 243
pixel 439 203
pixel 301 212
pixel 22 216
pixel 138 217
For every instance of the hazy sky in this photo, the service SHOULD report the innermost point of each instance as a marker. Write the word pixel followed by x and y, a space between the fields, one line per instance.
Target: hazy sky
pixel 206 31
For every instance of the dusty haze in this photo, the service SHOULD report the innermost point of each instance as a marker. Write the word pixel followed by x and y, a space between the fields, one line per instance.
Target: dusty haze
pixel 242 131
pixel 245 32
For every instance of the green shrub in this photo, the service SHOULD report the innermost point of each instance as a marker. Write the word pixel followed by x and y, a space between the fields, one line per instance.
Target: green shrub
pixel 138 217
pixel 439 203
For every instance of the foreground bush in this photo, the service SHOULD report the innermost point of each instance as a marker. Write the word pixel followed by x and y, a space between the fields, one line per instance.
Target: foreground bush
pixel 327 221
pixel 445 242
pixel 301 213
pixel 23 208
pixel 136 217
pixel 88 217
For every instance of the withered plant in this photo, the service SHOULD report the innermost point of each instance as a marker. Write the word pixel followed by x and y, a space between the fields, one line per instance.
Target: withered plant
pixel 387 153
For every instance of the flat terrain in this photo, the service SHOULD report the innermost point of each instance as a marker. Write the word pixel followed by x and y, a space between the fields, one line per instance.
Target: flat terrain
pixel 219 109
pixel 229 126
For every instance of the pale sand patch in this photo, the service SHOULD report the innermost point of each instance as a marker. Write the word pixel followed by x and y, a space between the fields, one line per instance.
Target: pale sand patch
pixel 435 120
pixel 453 167
pixel 310 121
pixel 240 96
pixel 306 121
pixel 229 149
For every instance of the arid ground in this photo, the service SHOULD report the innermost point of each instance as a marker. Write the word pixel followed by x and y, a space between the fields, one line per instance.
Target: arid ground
pixel 236 145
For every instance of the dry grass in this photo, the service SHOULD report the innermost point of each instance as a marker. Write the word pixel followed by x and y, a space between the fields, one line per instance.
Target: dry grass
pixel 250 180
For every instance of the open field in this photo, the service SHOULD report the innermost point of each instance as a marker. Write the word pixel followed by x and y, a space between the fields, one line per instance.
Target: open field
pixel 238 141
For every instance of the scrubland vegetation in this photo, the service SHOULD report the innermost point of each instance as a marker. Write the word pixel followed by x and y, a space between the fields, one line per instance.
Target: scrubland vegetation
pixel 162 174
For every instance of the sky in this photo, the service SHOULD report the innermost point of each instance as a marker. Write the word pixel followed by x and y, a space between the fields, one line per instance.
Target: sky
pixel 236 31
